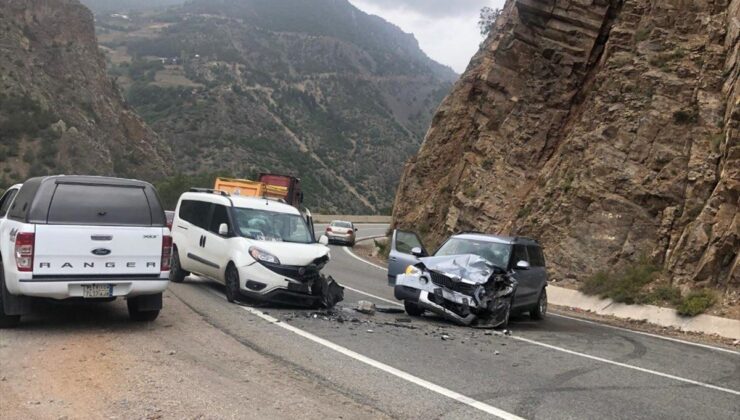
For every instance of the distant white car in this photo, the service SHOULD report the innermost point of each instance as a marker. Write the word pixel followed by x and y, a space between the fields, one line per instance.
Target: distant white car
pixel 257 247
pixel 88 237
pixel 342 232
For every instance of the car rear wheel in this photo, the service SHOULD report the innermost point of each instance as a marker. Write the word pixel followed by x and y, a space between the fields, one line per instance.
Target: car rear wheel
pixel 412 308
pixel 177 274
pixel 6 321
pixel 540 310
pixel 232 283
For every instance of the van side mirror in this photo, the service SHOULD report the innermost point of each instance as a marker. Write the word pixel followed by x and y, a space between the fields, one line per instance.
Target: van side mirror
pixel 223 229
pixel 522 265
pixel 324 240
pixel 417 252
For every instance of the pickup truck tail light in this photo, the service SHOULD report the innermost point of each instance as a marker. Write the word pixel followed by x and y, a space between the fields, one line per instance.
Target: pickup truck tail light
pixel 24 243
pixel 328 229
pixel 166 252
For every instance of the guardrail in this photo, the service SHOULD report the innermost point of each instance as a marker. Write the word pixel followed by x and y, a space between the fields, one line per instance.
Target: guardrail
pixel 326 218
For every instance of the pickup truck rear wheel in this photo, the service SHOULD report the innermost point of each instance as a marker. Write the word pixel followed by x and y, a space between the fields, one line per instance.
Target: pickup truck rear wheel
pixel 142 316
pixel 177 274
pixel 6 321
pixel 412 308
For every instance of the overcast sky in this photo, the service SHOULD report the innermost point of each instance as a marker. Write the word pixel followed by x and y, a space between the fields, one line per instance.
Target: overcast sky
pixel 447 30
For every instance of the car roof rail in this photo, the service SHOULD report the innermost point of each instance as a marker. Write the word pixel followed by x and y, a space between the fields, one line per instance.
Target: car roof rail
pixel 210 190
pixel 473 232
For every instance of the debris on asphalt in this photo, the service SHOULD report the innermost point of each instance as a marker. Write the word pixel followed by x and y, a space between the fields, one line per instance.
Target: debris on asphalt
pixel 403 319
pixel 395 324
pixel 389 310
pixel 369 331
pixel 488 333
pixel 365 307
pixel 496 352
pixel 445 337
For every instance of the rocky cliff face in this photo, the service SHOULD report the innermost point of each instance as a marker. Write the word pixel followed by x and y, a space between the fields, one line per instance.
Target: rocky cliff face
pixel 608 129
pixel 59 111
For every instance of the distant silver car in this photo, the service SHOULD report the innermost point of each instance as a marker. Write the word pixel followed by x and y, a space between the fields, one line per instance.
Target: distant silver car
pixel 340 231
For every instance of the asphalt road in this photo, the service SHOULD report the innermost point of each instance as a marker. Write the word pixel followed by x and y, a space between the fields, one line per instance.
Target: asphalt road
pixel 556 368
pixel 211 359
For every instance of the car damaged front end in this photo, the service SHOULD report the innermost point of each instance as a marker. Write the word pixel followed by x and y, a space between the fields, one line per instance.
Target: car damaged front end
pixel 465 289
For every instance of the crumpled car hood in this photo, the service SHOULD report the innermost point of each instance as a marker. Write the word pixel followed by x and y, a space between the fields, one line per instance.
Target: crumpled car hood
pixel 469 267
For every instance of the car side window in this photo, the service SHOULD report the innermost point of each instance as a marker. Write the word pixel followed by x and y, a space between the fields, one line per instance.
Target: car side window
pixel 535 256
pixel 520 254
pixel 220 215
pixel 195 212
pixel 406 241
pixel 6 200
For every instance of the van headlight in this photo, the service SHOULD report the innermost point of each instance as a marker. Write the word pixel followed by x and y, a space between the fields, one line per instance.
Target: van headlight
pixel 413 271
pixel 263 256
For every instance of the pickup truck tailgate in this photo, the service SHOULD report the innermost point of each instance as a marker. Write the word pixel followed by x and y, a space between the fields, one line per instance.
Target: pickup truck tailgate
pixel 97 251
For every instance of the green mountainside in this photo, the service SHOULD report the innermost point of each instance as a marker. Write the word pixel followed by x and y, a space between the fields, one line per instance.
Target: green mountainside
pixel 317 89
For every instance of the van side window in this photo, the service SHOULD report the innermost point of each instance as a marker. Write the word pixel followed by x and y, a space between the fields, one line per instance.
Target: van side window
pixel 195 212
pixel 6 200
pixel 220 215
pixel 406 241
pixel 535 256
pixel 519 254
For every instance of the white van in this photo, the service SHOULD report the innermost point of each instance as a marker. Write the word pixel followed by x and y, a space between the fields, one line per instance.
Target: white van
pixel 257 247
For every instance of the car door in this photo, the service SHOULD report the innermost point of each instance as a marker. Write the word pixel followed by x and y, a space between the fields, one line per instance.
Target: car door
pixel 400 255
pixel 527 282
pixel 194 216
pixel 215 246
pixel 537 263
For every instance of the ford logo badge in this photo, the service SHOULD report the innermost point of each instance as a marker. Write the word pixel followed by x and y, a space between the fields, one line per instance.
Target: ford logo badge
pixel 101 251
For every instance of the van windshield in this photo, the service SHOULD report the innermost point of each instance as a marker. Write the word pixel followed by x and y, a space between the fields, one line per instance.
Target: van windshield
pixel 496 253
pixel 271 226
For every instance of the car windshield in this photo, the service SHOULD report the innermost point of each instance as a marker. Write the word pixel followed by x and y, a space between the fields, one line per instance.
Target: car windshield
pixel 496 253
pixel 271 226
pixel 342 224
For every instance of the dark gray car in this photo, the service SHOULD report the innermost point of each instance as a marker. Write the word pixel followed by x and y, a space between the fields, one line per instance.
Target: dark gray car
pixel 521 258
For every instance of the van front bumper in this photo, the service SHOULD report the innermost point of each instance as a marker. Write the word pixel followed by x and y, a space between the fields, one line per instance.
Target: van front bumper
pixel 65 288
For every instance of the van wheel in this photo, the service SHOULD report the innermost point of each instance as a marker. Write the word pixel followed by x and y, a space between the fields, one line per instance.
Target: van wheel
pixel 177 274
pixel 141 316
pixel 232 283
pixel 412 308
pixel 540 310
pixel 6 321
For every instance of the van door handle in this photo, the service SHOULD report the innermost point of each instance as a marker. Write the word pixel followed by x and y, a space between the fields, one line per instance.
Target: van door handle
pixel 204 241
pixel 394 259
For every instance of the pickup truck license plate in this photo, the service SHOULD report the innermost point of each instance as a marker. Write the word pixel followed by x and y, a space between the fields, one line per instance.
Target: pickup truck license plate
pixel 97 290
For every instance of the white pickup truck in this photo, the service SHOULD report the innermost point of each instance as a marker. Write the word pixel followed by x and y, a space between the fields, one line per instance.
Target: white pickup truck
pixel 82 237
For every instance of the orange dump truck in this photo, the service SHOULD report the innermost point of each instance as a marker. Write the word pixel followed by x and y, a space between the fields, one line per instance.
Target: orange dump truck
pixel 283 187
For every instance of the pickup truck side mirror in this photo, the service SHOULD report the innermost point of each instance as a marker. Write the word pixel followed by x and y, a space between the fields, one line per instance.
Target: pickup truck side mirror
pixel 522 265
pixel 417 252
pixel 324 240
pixel 223 229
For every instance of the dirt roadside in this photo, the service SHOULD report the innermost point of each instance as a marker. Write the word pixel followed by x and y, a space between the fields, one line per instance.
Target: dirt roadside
pixel 77 363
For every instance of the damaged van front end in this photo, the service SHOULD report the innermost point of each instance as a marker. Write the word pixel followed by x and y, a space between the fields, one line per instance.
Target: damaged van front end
pixel 465 289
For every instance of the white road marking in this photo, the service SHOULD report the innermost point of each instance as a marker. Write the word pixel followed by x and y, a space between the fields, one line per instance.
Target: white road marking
pixel 691 343
pixel 600 359
pixel 352 254
pixel 624 365
pixel 372 296
pixel 486 408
